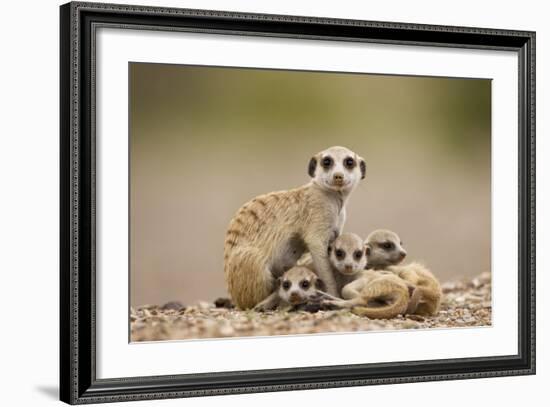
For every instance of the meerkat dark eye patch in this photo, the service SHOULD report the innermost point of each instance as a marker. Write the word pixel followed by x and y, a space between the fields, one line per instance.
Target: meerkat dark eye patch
pixel 286 285
pixel 363 168
pixel 311 167
pixel 349 163
pixel 327 162
pixel 340 254
pixel 305 284
pixel 388 245
pixel 358 254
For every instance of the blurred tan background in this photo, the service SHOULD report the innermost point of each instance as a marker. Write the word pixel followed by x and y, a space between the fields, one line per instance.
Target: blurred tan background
pixel 204 140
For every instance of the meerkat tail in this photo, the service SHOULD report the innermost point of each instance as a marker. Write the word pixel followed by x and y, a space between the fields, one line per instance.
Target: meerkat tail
pixel 395 291
pixel 384 312
pixel 431 300
pixel 429 288
pixel 246 286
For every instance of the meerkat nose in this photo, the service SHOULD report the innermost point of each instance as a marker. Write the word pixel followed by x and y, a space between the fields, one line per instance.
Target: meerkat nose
pixel 338 177
pixel 402 254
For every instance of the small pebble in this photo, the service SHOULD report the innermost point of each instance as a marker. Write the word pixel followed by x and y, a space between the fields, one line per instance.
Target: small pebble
pixel 226 330
pixel 173 305
pixel 224 303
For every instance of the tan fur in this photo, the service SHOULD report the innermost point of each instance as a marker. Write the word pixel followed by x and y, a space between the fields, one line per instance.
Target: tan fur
pixel 426 284
pixel 375 295
pixel 365 292
pixel 270 233
pixel 417 276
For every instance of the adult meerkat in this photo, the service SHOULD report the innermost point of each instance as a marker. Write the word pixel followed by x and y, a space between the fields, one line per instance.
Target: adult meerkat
pixel 366 292
pixel 385 251
pixel 270 233
pixel 296 287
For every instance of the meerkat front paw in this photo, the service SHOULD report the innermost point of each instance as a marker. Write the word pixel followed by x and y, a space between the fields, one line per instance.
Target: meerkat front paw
pixel 263 308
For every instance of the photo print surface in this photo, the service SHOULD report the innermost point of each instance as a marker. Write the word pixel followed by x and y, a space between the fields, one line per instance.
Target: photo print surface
pixel 280 202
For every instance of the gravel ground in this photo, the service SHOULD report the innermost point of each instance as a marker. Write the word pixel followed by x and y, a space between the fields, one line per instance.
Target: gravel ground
pixel 465 303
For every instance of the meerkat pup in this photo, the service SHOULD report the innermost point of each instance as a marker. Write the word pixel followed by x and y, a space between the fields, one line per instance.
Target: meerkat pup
pixel 295 287
pixel 366 292
pixel 385 251
pixel 271 232
pixel 346 256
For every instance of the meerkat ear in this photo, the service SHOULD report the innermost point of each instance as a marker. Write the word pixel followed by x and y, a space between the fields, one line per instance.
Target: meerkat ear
pixel 320 285
pixel 362 167
pixel 311 167
pixel 367 250
pixel 329 250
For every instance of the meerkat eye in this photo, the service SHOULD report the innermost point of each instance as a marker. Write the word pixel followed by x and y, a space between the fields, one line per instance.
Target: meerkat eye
pixel 304 284
pixel 387 245
pixel 340 254
pixel 286 284
pixel 327 162
pixel 358 254
pixel 349 163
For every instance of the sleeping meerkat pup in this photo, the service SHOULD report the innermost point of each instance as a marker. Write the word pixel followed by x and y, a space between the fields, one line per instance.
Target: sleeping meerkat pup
pixel 270 233
pixel 296 287
pixel 384 252
pixel 366 292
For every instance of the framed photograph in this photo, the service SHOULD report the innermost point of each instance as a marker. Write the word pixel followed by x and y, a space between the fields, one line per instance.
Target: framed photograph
pixel 254 203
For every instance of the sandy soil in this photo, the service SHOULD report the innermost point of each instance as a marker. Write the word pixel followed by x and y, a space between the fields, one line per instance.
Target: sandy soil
pixel 465 303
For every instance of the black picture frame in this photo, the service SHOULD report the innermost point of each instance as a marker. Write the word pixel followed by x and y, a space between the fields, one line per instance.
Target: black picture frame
pixel 78 382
